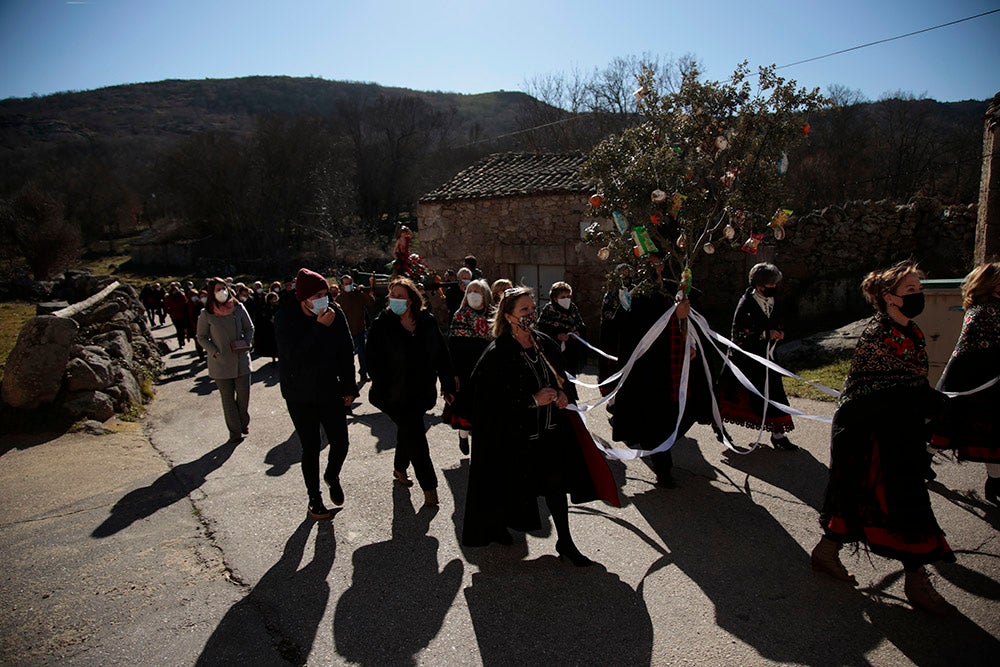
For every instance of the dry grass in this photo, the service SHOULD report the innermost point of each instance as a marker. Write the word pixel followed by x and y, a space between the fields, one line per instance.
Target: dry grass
pixel 13 315
pixel 831 375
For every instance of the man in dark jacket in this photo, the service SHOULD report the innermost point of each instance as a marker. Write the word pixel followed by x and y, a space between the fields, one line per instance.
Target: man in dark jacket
pixel 317 380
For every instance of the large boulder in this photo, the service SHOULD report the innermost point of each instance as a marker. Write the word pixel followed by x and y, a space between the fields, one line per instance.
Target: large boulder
pixel 35 367
pixel 117 345
pixel 90 405
pixel 81 377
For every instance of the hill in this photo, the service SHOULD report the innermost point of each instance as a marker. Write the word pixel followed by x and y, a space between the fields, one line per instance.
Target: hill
pixel 176 108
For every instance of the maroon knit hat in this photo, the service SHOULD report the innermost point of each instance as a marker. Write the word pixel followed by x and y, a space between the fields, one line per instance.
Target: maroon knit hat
pixel 308 283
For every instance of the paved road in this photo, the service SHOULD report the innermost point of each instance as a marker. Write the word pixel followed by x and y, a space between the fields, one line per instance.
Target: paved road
pixel 160 544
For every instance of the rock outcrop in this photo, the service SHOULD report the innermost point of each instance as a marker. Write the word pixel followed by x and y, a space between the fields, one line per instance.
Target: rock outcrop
pixel 89 360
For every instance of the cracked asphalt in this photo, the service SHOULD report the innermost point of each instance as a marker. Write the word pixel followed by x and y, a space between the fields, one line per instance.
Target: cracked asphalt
pixel 160 544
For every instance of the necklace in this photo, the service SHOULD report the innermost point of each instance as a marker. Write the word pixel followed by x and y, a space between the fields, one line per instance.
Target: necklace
pixel 527 356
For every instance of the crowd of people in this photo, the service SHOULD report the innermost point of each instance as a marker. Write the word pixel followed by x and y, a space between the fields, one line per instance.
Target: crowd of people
pixel 504 366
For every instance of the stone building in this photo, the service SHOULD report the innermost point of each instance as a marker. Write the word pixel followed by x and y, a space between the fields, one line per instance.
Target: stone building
pixel 523 216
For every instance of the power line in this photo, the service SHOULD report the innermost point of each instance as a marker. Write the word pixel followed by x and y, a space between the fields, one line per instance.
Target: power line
pixel 888 39
pixel 797 62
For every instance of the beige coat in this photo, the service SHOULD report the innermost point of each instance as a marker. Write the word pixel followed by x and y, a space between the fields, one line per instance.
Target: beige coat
pixel 215 333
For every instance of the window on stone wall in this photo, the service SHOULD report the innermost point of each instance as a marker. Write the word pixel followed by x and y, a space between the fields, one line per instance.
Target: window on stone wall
pixel 540 278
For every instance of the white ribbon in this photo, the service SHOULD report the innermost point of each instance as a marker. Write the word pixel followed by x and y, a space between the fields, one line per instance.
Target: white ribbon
pixel 693 341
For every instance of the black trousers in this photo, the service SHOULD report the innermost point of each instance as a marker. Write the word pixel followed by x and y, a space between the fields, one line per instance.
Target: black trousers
pixel 412 447
pixel 307 418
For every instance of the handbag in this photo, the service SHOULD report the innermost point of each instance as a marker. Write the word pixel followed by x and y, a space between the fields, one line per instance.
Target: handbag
pixel 239 344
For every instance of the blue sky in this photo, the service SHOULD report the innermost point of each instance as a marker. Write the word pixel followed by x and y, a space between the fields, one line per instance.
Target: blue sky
pixel 473 46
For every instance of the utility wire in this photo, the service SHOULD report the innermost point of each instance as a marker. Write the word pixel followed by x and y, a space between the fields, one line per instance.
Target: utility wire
pixel 797 62
pixel 888 39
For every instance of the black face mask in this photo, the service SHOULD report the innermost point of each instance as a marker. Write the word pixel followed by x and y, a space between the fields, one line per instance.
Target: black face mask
pixel 769 291
pixel 913 304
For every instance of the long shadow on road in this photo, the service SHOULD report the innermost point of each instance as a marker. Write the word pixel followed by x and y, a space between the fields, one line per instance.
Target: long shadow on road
pixel 398 598
pixel 288 602
pixel 170 487
pixel 543 611
pixel 755 574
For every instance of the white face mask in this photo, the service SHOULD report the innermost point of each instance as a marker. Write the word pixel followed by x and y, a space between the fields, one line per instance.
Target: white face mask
pixel 319 305
pixel 564 302
pixel 348 288
pixel 222 296
pixel 474 299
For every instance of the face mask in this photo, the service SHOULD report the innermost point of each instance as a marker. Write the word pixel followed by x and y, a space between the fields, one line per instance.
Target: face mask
pixel 624 298
pixel 913 304
pixel 222 296
pixel 243 299
pixel 348 288
pixel 464 283
pixel 474 299
pixel 770 291
pixel 397 306
pixel 204 299
pixel 259 290
pixel 527 322
pixel 319 305
pixel 564 302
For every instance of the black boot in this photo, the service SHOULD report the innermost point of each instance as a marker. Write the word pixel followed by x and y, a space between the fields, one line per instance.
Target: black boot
pixel 783 443
pixel 568 551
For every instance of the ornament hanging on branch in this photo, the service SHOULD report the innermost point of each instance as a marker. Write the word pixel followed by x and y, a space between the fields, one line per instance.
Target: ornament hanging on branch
pixel 687 279
pixel 642 241
pixel 779 218
pixel 806 129
pixel 658 196
pixel 596 200
pixel 621 222
pixel 709 248
pixel 729 232
pixel 656 217
pixel 604 253
pixel 676 202
pixel 751 244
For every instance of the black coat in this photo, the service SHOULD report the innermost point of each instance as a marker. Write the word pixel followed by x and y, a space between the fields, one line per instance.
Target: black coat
pixel 752 332
pixel 645 409
pixel 404 366
pixel 317 361
pixel 509 469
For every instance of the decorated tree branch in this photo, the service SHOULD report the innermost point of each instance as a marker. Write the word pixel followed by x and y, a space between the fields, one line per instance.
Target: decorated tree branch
pixel 701 168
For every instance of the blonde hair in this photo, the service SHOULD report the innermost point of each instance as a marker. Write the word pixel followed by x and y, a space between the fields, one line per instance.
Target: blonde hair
pixel 506 306
pixel 879 283
pixel 980 284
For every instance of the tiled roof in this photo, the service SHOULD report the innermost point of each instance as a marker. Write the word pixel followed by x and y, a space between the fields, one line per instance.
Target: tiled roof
pixel 512 174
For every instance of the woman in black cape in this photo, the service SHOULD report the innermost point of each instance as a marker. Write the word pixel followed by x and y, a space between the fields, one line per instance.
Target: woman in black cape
pixel 524 442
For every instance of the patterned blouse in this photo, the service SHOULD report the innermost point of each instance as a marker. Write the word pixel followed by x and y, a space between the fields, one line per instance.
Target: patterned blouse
pixel 980 328
pixel 976 358
pixel 888 355
pixel 469 323
pixel 555 320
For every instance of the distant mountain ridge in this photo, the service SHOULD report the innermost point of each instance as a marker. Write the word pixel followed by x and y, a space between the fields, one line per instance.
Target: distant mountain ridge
pixel 184 107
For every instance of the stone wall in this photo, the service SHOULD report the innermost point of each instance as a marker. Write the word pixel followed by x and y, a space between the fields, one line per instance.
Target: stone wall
pixel 87 360
pixel 505 232
pixel 824 255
